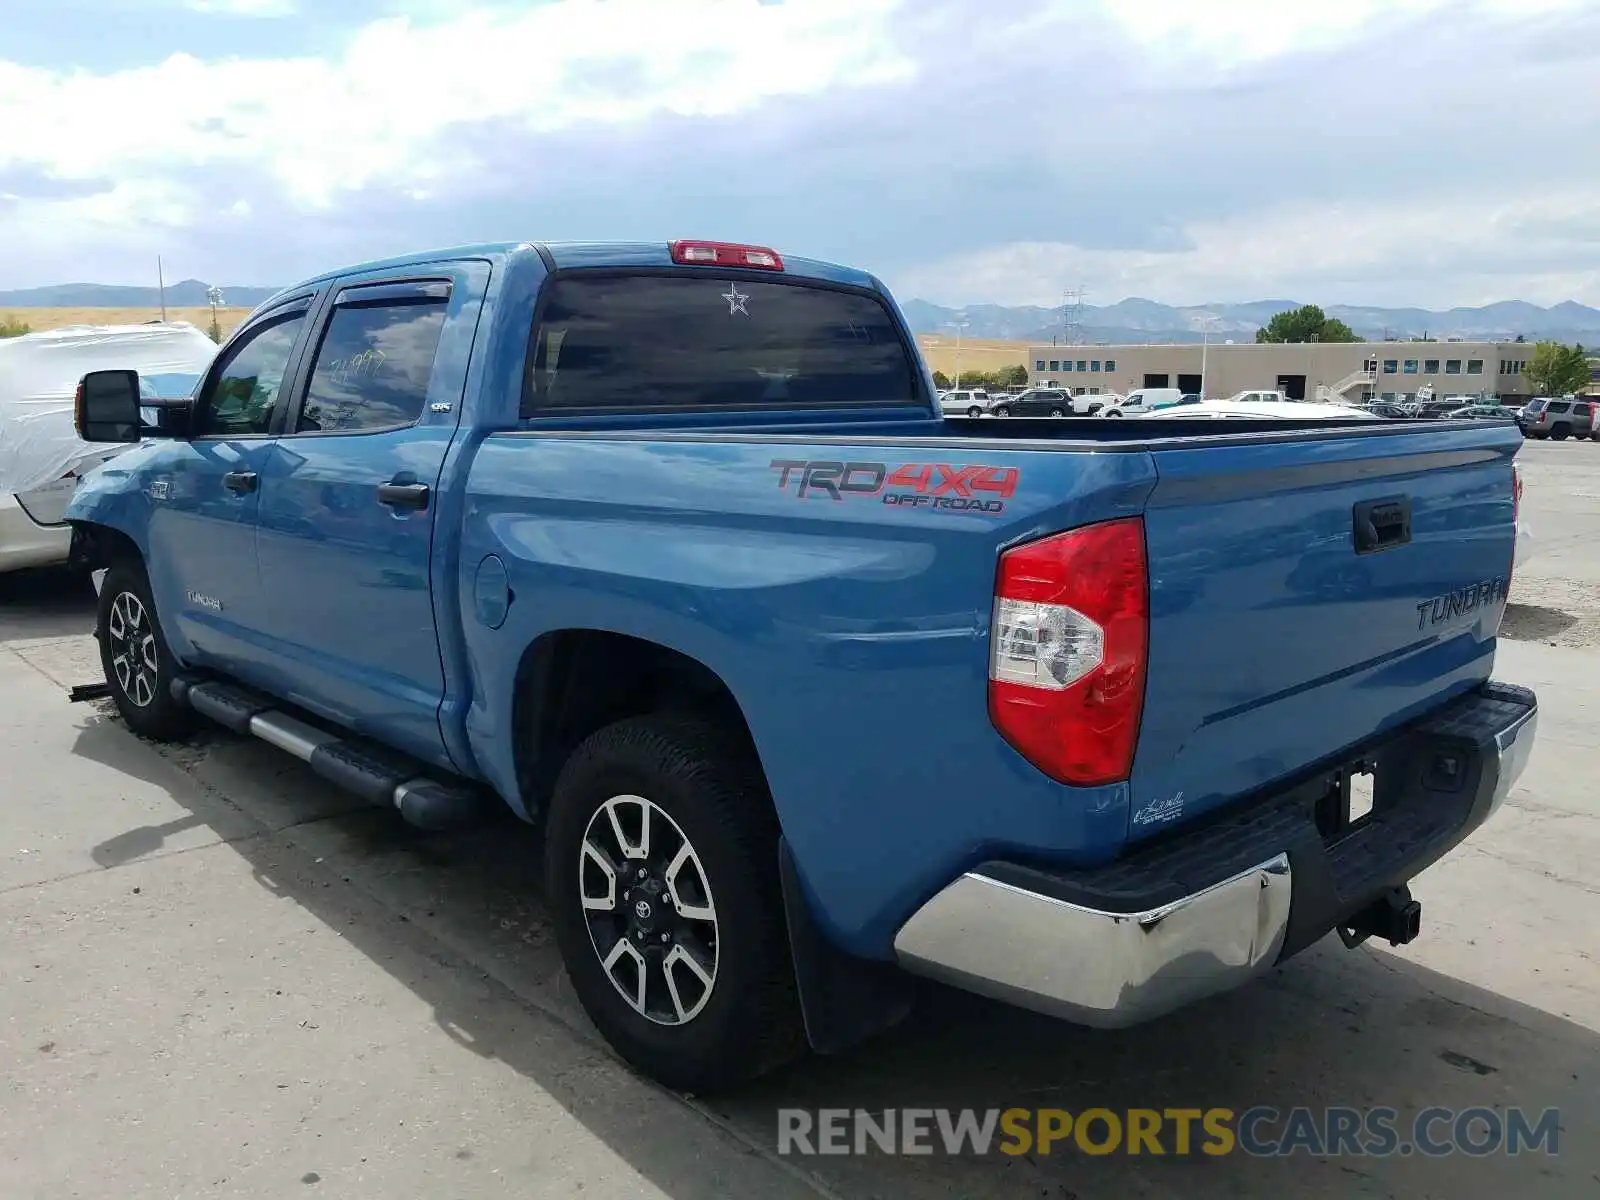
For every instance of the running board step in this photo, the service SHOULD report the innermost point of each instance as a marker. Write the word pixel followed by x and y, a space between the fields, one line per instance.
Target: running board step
pixel 378 775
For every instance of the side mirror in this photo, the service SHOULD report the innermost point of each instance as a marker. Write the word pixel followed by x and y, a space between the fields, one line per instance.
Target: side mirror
pixel 107 407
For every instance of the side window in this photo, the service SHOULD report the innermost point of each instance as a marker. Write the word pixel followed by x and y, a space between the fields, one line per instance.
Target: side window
pixel 246 385
pixel 372 368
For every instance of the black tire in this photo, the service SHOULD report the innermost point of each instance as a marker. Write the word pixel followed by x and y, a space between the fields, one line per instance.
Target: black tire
pixel 1560 433
pixel 974 411
pixel 133 653
pixel 1112 412
pixel 708 783
pixel 1002 411
pixel 1056 412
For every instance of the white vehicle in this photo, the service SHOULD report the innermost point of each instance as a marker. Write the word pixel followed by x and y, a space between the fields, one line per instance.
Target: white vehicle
pixel 1143 400
pixel 1294 410
pixel 41 456
pixel 964 402
pixel 1261 397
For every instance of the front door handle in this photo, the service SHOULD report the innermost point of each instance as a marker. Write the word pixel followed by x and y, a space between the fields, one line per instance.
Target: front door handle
pixel 403 495
pixel 240 481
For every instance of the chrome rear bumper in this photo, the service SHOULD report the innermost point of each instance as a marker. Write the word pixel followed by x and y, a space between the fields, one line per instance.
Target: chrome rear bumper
pixel 998 930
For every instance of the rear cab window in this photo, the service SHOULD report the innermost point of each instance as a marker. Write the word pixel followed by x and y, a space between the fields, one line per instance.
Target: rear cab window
pixel 698 340
pixel 1558 406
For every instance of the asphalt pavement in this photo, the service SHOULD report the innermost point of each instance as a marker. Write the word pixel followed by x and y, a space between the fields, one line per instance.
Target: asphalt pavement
pixel 223 978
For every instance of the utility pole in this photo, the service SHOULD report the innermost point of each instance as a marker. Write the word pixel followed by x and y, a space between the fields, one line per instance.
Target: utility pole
pixel 958 326
pixel 161 288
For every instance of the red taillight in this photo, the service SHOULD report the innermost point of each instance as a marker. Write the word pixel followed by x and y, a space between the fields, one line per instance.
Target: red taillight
pixel 726 254
pixel 1067 651
pixel 1516 493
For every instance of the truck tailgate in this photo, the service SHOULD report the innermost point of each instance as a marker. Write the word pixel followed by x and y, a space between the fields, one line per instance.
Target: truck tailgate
pixel 1307 594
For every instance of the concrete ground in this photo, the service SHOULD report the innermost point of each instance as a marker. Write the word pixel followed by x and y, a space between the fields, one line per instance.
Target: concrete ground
pixel 222 978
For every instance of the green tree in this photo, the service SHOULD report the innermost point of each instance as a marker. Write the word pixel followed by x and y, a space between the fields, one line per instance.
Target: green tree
pixel 11 327
pixel 941 381
pixel 1308 323
pixel 1556 370
pixel 1015 375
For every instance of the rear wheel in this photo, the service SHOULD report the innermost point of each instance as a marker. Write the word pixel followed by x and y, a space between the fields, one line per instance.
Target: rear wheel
pixel 134 655
pixel 1560 432
pixel 1056 412
pixel 974 411
pixel 661 857
pixel 1112 413
pixel 1003 411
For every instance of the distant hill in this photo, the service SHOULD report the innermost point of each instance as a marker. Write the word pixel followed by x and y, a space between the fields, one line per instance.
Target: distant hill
pixel 190 293
pixel 1139 320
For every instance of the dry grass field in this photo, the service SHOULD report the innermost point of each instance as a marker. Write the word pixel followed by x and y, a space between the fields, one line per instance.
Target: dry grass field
pixel 40 319
pixel 977 354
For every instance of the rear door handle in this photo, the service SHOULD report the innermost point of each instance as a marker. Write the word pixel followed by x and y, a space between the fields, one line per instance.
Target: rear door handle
pixel 240 481
pixel 403 495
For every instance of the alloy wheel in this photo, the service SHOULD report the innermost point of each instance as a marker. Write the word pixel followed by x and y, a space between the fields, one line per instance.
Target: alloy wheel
pixel 133 649
pixel 646 899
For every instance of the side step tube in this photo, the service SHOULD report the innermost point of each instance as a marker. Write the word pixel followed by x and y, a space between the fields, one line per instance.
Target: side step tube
pixel 378 775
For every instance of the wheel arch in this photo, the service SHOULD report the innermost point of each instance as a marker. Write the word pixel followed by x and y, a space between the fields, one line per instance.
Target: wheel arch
pixel 572 682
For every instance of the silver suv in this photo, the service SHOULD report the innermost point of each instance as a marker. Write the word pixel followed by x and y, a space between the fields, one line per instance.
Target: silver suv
pixel 1543 417
pixel 964 403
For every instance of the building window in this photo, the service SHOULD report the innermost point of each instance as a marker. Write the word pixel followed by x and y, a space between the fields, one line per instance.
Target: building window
pixel 1453 367
pixel 1078 391
pixel 1055 364
pixel 1066 364
pixel 1094 391
pixel 1474 366
pixel 1111 364
pixel 1388 397
pixel 1430 367
pixel 1038 364
pixel 1366 395
pixel 1390 366
pixel 1370 366
pixel 1083 364
pixel 1411 366
pixel 1094 365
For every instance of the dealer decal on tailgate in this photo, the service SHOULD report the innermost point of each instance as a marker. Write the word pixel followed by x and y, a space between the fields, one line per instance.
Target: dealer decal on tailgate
pixel 915 485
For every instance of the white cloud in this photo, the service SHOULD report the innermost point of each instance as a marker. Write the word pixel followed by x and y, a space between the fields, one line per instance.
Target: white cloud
pixel 1542 246
pixel 1242 31
pixel 381 111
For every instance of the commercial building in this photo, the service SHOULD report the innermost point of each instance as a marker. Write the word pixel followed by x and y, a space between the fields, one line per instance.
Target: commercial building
pixel 1339 372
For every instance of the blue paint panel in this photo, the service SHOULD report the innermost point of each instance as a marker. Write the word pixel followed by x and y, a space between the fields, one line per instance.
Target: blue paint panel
pixel 1274 645
pixel 854 636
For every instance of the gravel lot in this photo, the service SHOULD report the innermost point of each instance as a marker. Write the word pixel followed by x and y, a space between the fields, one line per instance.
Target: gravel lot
pixel 222 978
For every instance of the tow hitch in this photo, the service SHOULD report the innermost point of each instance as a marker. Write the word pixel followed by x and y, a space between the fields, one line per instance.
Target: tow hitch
pixel 1394 916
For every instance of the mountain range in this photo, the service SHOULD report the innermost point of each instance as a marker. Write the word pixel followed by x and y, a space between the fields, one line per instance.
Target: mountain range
pixel 189 293
pixel 1132 320
pixel 1138 320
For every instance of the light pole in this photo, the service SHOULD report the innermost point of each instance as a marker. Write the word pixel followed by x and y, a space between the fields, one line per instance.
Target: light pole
pixel 958 326
pixel 1205 340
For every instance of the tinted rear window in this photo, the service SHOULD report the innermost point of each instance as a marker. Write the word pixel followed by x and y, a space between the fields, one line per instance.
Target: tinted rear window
pixel 699 341
pixel 1558 406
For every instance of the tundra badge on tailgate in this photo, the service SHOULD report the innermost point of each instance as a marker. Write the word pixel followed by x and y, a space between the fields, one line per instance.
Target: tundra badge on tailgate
pixel 1460 602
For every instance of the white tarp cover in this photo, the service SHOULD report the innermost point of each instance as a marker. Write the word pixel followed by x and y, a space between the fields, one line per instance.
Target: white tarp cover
pixel 39 375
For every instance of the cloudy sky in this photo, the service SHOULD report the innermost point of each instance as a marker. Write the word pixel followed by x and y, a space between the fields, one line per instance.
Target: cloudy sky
pixel 1429 152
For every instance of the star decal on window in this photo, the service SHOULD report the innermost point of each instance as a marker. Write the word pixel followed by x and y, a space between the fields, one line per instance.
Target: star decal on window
pixel 736 300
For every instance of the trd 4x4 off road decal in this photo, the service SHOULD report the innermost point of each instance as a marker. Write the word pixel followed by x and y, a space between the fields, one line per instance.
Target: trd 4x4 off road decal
pixel 980 489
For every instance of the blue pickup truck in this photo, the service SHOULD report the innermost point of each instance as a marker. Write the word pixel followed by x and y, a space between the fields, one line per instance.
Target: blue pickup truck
pixel 811 689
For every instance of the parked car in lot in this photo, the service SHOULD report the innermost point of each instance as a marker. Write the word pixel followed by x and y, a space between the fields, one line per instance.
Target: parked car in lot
pixel 1485 412
pixel 1380 408
pixel 1544 417
pixel 964 402
pixel 669 548
pixel 1039 402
